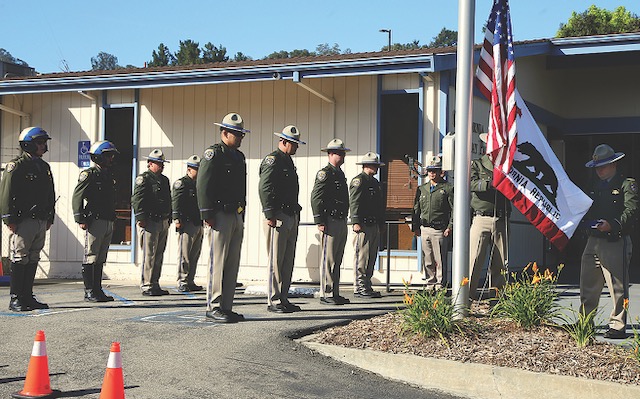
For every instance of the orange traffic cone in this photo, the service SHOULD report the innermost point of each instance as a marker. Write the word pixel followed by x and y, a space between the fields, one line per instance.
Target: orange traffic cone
pixel 37 384
pixel 113 384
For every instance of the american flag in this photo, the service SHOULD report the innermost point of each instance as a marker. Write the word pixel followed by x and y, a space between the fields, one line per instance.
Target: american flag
pixel 496 79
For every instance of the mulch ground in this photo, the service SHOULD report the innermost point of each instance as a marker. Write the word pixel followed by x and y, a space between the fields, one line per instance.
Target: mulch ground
pixel 497 342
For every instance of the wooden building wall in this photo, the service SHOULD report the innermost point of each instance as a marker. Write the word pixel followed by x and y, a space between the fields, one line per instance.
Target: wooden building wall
pixel 180 121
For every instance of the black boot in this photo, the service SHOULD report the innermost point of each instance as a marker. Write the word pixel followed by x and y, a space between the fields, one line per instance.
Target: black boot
pixel 17 304
pixel 29 277
pixel 87 278
pixel 97 284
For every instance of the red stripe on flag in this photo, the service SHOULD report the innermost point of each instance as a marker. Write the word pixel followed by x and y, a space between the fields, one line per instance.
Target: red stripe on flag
pixel 530 211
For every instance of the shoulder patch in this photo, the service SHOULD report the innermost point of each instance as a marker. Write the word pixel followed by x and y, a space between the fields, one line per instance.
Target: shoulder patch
pixel 322 175
pixel 83 176
pixel 269 160
pixel 177 184
pixel 208 154
pixel 139 180
pixel 356 182
pixel 10 166
pixel 633 186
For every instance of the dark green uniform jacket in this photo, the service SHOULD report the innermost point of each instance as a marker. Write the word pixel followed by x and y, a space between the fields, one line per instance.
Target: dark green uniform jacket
pixel 151 199
pixel 366 202
pixel 27 190
pixel 184 201
pixel 222 181
pixel 615 201
pixel 95 196
pixel 278 185
pixel 330 195
pixel 433 206
pixel 485 199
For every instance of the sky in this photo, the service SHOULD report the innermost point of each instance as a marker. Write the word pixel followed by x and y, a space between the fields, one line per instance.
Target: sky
pixel 53 35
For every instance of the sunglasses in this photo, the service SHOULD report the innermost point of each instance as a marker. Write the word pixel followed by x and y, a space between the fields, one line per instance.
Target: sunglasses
pixel 236 133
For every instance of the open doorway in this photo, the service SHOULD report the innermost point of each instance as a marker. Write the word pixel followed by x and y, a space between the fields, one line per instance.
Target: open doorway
pixel 399 120
pixel 119 129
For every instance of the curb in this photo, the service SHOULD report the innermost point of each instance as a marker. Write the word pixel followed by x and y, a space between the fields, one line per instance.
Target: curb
pixel 472 380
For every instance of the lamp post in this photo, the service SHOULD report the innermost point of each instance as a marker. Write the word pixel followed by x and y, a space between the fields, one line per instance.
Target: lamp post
pixel 387 31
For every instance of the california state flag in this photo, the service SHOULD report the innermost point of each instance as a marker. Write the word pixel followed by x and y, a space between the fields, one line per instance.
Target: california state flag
pixel 538 185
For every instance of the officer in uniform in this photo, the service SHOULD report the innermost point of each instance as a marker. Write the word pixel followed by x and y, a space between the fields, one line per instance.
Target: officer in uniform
pixel 186 216
pixel 330 205
pixel 432 221
pixel 491 211
pixel 94 210
pixel 279 190
pixel 27 207
pixel 611 219
pixel 366 205
pixel 151 202
pixel 222 194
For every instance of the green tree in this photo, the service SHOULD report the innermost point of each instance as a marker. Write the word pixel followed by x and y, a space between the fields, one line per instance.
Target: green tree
pixel 188 53
pixel 211 53
pixel 241 57
pixel 446 38
pixel 599 21
pixel 277 55
pixel 325 49
pixel 301 53
pixel 104 62
pixel 7 57
pixel 162 57
pixel 399 46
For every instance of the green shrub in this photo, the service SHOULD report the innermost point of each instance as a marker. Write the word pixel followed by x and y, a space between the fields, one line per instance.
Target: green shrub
pixel 529 299
pixel 429 313
pixel 583 330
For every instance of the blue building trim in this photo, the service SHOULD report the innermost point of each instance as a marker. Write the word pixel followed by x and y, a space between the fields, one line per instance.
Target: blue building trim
pixel 581 126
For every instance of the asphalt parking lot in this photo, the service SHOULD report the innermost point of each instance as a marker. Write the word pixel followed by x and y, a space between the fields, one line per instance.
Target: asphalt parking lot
pixel 169 350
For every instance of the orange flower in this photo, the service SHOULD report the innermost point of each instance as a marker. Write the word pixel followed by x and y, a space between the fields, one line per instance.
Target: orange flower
pixel 625 304
pixel 408 299
pixel 435 304
pixel 526 267
pixel 535 267
pixel 464 282
pixel 536 279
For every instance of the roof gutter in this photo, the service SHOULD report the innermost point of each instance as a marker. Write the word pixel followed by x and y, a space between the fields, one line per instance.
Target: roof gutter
pixel 135 80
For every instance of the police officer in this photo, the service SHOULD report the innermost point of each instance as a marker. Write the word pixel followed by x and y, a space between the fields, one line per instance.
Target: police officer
pixel 279 190
pixel 186 216
pixel 330 205
pixel 151 202
pixel 611 219
pixel 491 211
pixel 432 221
pixel 27 208
pixel 366 205
pixel 222 193
pixel 94 210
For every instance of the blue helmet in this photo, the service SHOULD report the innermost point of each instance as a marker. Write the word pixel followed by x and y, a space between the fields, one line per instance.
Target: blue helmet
pixel 28 137
pixel 101 148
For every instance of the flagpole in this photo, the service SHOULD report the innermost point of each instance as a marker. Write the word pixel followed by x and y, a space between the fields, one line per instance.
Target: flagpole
pixel 463 122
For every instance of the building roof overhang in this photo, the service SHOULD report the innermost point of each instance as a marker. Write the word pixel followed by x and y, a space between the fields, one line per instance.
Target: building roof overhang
pixel 358 64
pixel 220 73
